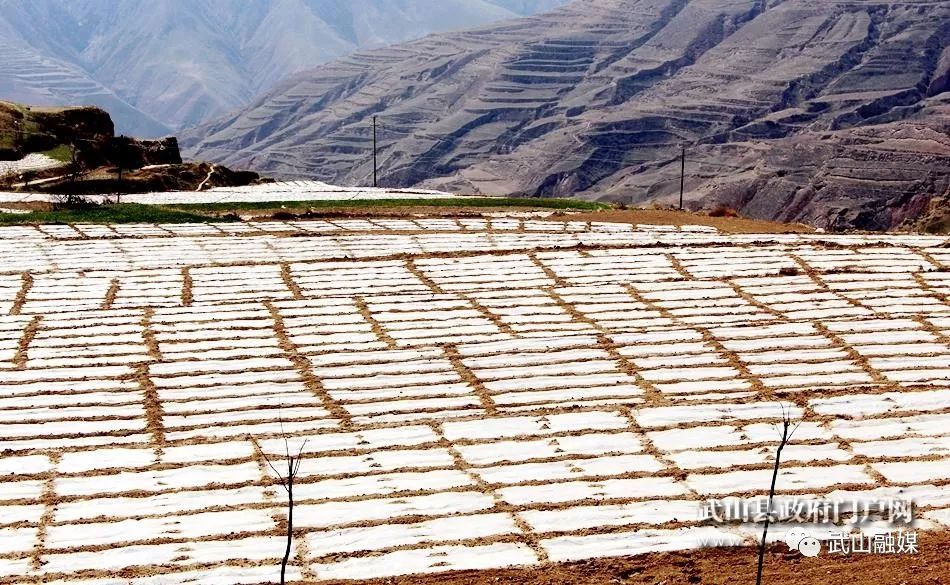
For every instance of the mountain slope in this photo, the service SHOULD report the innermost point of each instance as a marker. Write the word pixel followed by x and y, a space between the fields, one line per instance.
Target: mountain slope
pixel 164 64
pixel 597 98
pixel 29 76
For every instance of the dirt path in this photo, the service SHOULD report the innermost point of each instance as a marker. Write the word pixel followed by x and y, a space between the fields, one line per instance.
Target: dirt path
pixel 729 225
pixel 208 178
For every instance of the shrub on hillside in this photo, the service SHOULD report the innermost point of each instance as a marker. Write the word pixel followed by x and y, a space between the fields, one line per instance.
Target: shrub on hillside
pixel 723 211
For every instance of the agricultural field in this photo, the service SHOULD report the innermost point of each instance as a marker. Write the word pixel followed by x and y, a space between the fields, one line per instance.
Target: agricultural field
pixel 268 192
pixel 466 393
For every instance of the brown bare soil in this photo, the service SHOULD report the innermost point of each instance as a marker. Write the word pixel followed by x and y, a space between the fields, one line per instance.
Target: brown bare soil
pixel 725 566
pixel 731 225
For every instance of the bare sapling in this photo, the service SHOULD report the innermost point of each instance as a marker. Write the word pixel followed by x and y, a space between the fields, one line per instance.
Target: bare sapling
pixel 286 479
pixel 787 433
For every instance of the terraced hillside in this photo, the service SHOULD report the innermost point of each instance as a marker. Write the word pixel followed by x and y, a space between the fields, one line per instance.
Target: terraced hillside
pixel 468 393
pixel 158 65
pixel 830 112
pixel 28 77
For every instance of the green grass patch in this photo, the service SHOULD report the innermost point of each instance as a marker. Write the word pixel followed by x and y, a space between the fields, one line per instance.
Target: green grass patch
pixel 212 212
pixel 8 129
pixel 479 202
pixel 62 153
pixel 122 213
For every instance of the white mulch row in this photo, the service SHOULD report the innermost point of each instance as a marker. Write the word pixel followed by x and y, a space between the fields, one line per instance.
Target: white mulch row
pixel 80 283
pixel 645 233
pixel 30 163
pixel 517 404
pixel 276 192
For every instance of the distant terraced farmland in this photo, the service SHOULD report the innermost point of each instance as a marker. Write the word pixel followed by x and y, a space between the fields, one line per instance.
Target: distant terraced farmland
pixel 474 393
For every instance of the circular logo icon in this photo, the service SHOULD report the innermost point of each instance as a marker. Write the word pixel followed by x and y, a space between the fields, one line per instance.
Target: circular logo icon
pixel 795 536
pixel 810 546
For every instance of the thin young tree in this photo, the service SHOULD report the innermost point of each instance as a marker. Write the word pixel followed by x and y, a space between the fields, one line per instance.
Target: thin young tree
pixel 125 156
pixel 787 433
pixel 75 169
pixel 286 480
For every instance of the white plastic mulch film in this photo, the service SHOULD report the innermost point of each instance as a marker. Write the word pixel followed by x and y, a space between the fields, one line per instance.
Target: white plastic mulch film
pixel 468 393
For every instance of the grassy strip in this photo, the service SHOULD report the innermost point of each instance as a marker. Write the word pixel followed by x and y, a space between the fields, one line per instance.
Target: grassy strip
pixel 62 153
pixel 124 213
pixel 479 202
pixel 209 212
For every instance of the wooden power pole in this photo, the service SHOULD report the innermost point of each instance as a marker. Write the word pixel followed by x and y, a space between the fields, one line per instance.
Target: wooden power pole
pixel 375 167
pixel 682 176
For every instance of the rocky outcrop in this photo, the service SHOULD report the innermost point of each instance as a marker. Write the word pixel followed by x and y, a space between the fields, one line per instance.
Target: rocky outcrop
pixel 135 154
pixel 26 129
pixel 597 99
pixel 91 159
pixel 85 134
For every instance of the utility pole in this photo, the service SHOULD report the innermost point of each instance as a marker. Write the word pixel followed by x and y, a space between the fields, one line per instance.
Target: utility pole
pixel 682 176
pixel 375 167
pixel 17 137
pixel 74 164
